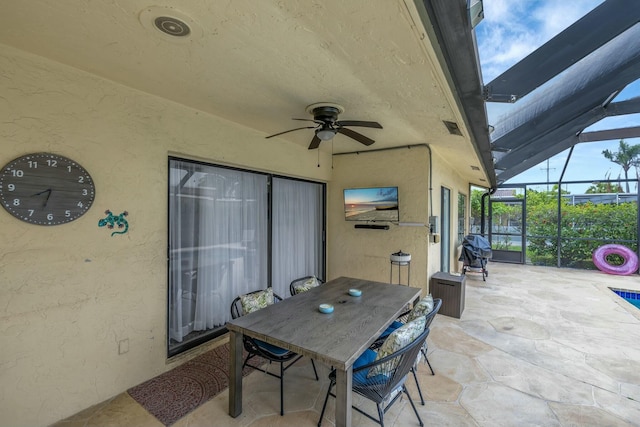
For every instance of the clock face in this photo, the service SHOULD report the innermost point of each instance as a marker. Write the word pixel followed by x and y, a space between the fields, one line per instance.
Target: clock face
pixel 45 189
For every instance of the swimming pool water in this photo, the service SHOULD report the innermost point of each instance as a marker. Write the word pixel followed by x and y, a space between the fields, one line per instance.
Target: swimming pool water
pixel 632 297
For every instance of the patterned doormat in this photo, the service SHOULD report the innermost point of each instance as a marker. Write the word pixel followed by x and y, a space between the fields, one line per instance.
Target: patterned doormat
pixel 173 394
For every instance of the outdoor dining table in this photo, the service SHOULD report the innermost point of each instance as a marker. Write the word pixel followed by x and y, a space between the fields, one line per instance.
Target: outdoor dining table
pixel 335 339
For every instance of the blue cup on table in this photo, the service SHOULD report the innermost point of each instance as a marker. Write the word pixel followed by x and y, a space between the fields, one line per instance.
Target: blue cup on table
pixel 325 308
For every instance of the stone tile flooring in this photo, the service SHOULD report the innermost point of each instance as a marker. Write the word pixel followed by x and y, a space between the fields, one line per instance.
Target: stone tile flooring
pixel 535 346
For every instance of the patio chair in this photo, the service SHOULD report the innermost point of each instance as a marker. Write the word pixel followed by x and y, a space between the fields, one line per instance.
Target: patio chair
pixel 247 303
pixel 402 319
pixel 437 303
pixel 304 284
pixel 383 380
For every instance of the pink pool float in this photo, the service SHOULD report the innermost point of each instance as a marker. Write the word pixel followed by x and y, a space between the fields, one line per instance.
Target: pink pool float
pixel 630 259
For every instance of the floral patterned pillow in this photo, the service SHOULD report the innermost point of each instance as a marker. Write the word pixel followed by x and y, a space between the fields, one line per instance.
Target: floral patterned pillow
pixel 307 285
pixel 256 301
pixel 422 308
pixel 400 338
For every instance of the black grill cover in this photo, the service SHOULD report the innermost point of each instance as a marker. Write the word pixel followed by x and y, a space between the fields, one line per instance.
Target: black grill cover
pixel 474 248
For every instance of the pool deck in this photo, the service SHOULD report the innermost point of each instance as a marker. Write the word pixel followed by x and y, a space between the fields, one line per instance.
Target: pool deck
pixel 535 346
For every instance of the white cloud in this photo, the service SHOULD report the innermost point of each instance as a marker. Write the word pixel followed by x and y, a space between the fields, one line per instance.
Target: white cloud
pixel 513 29
pixel 510 31
pixel 502 11
pixel 555 16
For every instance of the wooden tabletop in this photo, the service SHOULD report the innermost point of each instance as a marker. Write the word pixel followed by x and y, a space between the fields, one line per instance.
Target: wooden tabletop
pixel 338 338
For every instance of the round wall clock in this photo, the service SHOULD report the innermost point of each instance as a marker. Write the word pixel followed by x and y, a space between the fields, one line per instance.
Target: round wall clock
pixel 45 189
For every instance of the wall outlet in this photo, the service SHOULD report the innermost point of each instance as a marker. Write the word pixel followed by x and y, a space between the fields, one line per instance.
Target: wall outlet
pixel 123 346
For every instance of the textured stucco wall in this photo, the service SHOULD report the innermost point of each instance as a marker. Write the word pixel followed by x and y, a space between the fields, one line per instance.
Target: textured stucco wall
pixel 365 253
pixel 444 174
pixel 71 294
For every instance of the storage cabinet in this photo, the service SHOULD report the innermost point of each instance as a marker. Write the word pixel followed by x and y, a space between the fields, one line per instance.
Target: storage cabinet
pixel 450 289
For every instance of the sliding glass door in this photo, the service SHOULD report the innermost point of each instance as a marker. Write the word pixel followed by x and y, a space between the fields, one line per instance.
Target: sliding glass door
pixel 445 248
pixel 298 224
pixel 224 242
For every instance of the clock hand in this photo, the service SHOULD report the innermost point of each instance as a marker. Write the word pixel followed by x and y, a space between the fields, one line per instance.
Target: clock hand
pixel 48 190
pixel 42 192
pixel 47 199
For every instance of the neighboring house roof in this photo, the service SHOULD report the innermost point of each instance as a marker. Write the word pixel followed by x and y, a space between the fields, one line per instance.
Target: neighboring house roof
pixel 503 193
pixel 601 198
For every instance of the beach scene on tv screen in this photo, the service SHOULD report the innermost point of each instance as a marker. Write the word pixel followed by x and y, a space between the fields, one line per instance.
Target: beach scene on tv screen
pixel 371 204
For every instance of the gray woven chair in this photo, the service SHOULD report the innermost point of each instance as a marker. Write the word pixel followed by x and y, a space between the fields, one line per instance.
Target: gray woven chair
pixel 257 348
pixel 437 303
pixel 294 285
pixel 383 381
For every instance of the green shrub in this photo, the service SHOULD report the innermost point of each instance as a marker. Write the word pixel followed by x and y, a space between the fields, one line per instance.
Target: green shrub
pixel 583 227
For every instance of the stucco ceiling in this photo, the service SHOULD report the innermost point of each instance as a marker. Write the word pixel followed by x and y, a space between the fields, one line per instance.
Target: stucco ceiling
pixel 260 63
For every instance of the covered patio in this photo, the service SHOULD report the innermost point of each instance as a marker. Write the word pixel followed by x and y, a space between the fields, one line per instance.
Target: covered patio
pixel 534 346
pixel 132 89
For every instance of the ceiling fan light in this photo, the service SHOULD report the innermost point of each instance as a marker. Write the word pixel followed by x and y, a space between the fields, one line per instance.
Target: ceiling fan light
pixel 325 134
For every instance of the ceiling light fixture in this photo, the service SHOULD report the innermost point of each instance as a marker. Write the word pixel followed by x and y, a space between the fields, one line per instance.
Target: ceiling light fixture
pixel 325 134
pixel 172 26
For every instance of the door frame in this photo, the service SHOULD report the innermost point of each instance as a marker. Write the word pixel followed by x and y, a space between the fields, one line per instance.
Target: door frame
pixel 502 255
pixel 445 230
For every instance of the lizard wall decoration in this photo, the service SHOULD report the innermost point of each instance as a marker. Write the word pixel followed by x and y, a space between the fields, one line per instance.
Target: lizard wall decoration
pixel 111 221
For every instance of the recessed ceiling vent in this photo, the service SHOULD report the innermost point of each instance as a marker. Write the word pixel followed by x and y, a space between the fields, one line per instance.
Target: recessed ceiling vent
pixel 172 26
pixel 452 127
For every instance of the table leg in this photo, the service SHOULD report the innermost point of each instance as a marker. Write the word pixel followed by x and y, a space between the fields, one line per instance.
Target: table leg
pixel 343 397
pixel 235 373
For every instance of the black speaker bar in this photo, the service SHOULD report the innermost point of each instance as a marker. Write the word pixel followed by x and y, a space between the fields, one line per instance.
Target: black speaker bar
pixel 372 226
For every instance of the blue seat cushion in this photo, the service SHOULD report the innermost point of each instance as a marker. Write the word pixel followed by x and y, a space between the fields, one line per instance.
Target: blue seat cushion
pixel 391 328
pixel 275 350
pixel 365 358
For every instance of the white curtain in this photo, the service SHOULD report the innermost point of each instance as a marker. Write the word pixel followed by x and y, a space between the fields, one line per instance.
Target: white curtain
pixel 297 241
pixel 218 243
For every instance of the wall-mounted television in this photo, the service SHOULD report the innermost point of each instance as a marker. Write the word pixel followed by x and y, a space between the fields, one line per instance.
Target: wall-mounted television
pixel 371 204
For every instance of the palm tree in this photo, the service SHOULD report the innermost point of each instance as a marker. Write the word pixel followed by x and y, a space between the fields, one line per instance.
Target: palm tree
pixel 604 187
pixel 626 156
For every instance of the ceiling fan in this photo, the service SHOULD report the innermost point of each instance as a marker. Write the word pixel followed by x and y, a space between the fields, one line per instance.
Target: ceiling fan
pixel 325 115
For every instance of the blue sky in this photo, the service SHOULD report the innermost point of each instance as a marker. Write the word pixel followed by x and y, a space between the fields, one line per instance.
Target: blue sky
pixel 367 195
pixel 509 32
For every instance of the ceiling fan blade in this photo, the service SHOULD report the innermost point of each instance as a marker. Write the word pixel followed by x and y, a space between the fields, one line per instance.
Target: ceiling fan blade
pixel 315 142
pixel 355 135
pixel 359 123
pixel 290 130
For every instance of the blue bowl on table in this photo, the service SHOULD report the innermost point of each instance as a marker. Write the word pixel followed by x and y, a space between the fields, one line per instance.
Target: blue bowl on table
pixel 325 308
pixel 355 292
